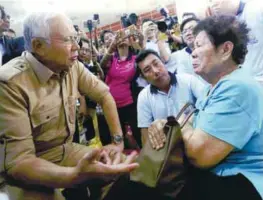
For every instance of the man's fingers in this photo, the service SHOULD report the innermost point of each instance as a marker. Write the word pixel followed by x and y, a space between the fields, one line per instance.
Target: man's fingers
pixel 155 141
pixel 150 135
pixel 117 158
pixel 131 158
pixel 161 135
pixel 93 155
pixel 157 136
pixel 105 158
pixel 156 133
pixel 120 168
pixel 153 138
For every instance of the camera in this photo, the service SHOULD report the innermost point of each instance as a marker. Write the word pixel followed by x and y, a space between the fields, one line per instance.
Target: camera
pixel 168 22
pixel 90 24
pixel 127 32
pixel 127 21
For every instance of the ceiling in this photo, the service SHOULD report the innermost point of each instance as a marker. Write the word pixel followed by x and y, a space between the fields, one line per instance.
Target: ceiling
pixel 79 10
pixel 83 10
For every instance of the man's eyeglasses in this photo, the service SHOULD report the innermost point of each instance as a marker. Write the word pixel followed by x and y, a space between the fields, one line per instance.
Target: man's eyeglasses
pixel 187 29
pixel 69 39
pixel 66 40
pixel 85 50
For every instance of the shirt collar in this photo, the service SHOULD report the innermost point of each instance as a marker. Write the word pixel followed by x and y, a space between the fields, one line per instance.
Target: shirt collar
pixel 188 50
pixel 173 81
pixel 42 72
pixel 241 8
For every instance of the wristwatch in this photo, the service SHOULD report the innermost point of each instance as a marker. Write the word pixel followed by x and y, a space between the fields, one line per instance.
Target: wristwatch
pixel 117 139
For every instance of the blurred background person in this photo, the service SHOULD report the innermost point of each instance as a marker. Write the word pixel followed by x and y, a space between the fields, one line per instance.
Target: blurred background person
pixel 10 33
pixel 251 12
pixel 9 48
pixel 182 59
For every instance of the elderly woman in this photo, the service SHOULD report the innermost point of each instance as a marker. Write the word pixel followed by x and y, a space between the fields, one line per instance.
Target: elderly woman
pixel 224 142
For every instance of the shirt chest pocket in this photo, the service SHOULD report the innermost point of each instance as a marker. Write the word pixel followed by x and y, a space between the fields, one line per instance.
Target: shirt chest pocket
pixel 44 120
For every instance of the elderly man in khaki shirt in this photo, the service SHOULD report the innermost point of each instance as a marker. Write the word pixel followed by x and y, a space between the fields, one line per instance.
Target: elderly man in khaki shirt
pixel 38 92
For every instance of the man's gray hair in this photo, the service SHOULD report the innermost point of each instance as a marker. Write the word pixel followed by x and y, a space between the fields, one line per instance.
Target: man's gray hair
pixel 37 25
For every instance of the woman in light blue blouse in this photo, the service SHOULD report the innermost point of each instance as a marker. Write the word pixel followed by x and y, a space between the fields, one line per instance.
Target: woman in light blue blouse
pixel 224 141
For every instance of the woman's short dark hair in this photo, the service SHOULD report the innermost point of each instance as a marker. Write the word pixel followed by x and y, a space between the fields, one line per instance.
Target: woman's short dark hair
pixel 142 55
pixel 103 34
pixel 224 28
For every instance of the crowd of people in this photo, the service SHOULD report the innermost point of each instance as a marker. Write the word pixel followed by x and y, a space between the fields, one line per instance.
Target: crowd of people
pixel 55 83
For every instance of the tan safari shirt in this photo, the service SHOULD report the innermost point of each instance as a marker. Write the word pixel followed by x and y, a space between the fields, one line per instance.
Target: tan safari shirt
pixel 37 108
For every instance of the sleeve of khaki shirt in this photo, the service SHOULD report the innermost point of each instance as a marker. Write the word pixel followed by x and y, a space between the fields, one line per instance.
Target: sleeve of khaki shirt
pixel 89 85
pixel 15 128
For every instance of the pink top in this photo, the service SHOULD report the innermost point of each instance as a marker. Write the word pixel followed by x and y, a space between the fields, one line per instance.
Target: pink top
pixel 119 77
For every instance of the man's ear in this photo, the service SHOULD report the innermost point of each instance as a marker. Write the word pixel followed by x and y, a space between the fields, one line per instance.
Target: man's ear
pixel 226 50
pixel 38 46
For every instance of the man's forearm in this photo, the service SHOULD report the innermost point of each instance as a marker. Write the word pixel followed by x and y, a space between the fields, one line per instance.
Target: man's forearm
pixel 163 52
pixel 110 111
pixel 36 171
pixel 177 39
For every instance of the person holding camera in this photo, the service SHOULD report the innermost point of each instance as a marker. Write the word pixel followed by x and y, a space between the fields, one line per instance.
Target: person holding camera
pixel 153 40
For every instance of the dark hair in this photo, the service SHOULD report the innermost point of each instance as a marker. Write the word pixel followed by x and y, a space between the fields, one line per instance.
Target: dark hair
pixel 142 55
pixel 188 20
pixel 3 13
pixel 189 13
pixel 11 31
pixel 103 34
pixel 148 20
pixel 83 40
pixel 224 28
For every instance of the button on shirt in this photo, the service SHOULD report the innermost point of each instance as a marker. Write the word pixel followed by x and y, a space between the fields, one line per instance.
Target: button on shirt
pixel 159 105
pixel 37 108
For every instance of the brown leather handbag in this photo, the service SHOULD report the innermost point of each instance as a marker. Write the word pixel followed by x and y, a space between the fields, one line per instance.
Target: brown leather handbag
pixel 165 169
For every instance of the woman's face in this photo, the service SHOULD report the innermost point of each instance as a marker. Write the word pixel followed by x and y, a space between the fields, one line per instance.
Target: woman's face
pixel 85 52
pixel 205 57
pixel 108 38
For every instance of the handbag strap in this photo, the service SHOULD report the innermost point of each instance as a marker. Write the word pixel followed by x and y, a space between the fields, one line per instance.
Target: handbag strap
pixel 182 110
pixel 185 107
pixel 188 117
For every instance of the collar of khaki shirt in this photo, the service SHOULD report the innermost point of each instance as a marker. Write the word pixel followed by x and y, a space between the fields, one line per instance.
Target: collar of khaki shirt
pixel 42 72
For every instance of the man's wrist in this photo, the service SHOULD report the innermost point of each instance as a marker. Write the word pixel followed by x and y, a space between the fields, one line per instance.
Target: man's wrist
pixel 73 176
pixel 117 138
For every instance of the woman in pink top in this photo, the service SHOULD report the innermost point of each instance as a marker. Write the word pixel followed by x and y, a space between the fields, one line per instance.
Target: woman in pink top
pixel 121 73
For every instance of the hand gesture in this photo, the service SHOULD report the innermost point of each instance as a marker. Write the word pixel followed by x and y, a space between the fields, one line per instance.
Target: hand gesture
pixel 96 164
pixel 156 133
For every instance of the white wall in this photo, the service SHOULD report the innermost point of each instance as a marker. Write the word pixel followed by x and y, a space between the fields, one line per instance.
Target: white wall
pixel 196 6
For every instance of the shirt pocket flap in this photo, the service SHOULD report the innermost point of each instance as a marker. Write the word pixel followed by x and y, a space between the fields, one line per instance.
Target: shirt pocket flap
pixel 42 117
